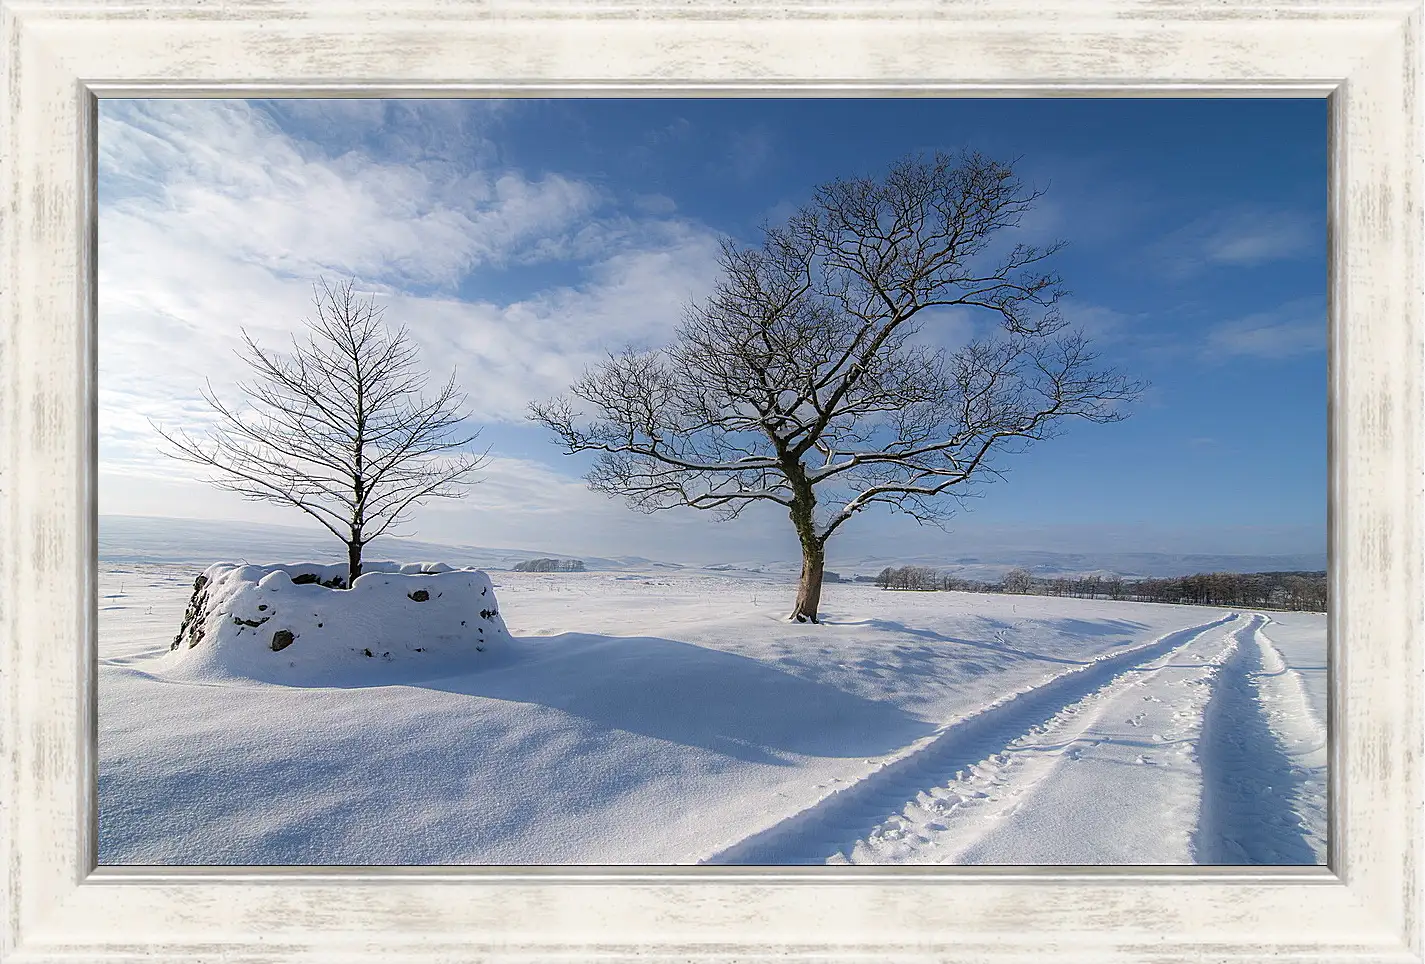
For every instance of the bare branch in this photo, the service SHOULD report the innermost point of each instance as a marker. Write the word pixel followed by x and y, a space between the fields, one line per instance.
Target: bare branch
pixel 800 380
pixel 338 428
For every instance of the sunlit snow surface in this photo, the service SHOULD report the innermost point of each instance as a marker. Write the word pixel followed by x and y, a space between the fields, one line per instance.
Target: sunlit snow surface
pixel 676 717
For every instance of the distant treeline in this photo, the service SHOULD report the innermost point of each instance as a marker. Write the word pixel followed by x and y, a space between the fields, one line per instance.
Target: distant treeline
pixel 1256 590
pixel 829 576
pixel 550 565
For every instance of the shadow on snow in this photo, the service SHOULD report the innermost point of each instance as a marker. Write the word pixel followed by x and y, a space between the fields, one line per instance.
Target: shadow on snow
pixel 1070 627
pixel 694 696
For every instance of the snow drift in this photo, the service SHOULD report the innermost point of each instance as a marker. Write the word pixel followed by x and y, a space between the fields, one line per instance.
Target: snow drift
pixel 299 624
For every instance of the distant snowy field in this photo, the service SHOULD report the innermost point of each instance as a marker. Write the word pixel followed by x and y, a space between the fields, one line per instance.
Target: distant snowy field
pixel 657 717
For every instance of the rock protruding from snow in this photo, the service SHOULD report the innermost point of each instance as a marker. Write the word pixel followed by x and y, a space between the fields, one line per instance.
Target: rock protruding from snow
pixel 295 624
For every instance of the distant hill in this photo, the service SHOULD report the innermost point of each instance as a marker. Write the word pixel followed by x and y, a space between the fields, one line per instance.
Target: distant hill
pixel 149 539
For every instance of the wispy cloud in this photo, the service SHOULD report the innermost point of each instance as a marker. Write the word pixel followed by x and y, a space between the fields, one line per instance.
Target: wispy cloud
pixel 749 152
pixel 1295 328
pixel 449 133
pixel 1098 321
pixel 221 175
pixel 1241 237
pixel 215 218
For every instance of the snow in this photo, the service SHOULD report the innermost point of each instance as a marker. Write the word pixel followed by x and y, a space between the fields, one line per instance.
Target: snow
pixel 1299 639
pixel 296 624
pixel 654 716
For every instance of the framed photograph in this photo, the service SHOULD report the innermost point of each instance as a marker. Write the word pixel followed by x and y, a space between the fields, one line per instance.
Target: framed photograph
pixel 368 367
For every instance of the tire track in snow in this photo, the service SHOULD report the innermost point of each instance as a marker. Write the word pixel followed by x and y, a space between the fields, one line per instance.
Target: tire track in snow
pixel 834 824
pixel 1113 780
pixel 1263 758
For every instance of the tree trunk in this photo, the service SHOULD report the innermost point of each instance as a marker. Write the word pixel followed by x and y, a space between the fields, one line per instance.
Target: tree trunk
pixel 809 592
pixel 353 562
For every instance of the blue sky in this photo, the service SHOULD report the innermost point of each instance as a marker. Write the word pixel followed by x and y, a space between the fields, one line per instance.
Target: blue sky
pixel 518 240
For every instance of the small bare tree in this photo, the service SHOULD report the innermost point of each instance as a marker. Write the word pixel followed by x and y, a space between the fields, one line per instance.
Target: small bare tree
pixel 338 429
pixel 799 381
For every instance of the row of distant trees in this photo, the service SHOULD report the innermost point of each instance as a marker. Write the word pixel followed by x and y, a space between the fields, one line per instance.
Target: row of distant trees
pixel 926 579
pixel 1298 591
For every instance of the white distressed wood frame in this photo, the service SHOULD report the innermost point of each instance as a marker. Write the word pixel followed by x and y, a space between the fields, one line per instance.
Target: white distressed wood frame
pixel 59 55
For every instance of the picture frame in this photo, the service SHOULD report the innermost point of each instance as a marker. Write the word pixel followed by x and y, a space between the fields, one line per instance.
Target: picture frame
pixel 1365 906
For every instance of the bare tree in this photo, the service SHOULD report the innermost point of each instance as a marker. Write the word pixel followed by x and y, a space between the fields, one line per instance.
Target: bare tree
pixel 338 429
pixel 800 381
pixel 1018 581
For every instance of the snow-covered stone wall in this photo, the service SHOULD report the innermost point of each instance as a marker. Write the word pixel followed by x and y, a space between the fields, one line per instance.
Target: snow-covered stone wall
pixel 295 623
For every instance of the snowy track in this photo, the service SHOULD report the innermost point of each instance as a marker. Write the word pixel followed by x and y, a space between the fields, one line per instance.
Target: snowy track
pixel 1199 747
pixel 970 764
pixel 1263 757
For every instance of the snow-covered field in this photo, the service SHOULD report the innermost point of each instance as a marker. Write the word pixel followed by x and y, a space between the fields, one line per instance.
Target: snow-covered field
pixel 675 717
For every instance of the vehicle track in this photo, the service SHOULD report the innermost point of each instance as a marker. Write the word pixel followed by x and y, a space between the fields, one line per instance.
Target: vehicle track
pixel 1263 759
pixel 831 828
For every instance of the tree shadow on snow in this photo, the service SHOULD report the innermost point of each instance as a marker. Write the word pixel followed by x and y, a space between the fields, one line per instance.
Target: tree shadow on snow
pixel 693 696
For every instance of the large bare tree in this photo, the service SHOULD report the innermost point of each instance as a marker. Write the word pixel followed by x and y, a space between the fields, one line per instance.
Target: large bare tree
pixel 803 380
pixel 339 428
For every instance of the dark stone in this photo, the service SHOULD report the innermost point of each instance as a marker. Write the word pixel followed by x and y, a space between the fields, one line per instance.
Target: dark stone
pixel 282 639
pixel 251 622
pixel 262 608
pixel 368 652
pixel 191 628
pixel 489 613
pixel 420 595
pixel 307 578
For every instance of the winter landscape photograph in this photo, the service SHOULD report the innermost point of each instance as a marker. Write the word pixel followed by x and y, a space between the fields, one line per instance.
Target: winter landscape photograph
pixel 921 481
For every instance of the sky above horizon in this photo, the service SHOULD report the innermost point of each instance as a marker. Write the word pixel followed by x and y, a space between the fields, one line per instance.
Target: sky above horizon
pixel 519 241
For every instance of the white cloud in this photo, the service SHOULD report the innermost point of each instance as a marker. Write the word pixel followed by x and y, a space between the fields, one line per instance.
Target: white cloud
pixel 1296 328
pixel 215 218
pixel 221 175
pixel 1240 237
pixel 1098 321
